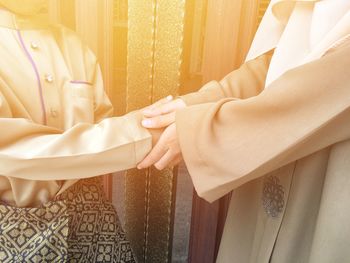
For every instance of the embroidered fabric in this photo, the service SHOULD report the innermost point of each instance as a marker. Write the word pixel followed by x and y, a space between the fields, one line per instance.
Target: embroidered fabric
pixel 272 196
pixel 79 226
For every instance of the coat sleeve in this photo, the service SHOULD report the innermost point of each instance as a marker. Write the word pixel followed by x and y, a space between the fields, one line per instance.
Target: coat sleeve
pixel 230 142
pixel 35 152
pixel 245 82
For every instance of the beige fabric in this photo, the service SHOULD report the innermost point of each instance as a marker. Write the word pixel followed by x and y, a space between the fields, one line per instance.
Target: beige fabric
pixel 24 7
pixel 317 25
pixel 77 141
pixel 233 144
pixel 297 130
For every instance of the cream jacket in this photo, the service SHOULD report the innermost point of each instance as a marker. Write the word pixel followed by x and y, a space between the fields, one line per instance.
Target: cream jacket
pixel 286 152
pixel 53 114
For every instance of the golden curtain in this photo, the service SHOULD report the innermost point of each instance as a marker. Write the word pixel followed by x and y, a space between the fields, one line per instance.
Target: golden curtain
pixel 155 34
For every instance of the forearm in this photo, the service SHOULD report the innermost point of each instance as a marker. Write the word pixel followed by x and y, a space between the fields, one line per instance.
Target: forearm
pixel 228 143
pixel 245 82
pixel 36 152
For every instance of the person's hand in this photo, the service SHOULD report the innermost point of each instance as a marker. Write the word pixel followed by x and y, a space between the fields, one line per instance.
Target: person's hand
pixel 155 133
pixel 162 113
pixel 166 152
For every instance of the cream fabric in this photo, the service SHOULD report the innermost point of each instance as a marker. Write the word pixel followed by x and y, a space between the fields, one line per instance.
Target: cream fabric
pixel 316 25
pixel 53 114
pixel 235 134
pixel 297 130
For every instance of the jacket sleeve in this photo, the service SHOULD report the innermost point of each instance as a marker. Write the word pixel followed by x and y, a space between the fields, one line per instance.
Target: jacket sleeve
pixel 245 82
pixel 230 142
pixel 35 152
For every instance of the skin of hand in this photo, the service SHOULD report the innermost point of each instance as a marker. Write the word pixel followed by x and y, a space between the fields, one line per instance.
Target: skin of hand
pixel 162 113
pixel 155 133
pixel 167 151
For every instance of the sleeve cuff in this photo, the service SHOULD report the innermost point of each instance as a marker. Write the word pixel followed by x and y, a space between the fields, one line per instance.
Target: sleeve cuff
pixel 142 137
pixel 203 178
pixel 210 92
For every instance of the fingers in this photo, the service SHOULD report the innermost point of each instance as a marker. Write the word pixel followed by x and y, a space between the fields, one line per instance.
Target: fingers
pixel 160 121
pixel 156 154
pixel 158 103
pixel 166 150
pixel 176 160
pixel 165 160
pixel 162 115
pixel 164 108
pixel 155 133
pixel 169 159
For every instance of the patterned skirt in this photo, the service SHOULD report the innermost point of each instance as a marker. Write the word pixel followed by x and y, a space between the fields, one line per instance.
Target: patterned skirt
pixel 78 226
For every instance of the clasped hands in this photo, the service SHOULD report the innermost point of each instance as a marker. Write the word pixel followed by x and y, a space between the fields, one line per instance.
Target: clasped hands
pixel 166 150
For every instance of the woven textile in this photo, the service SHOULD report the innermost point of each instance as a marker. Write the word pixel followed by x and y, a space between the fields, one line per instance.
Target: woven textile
pixel 79 226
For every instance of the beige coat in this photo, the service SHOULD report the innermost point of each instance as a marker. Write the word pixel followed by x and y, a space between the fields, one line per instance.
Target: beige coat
pixel 53 111
pixel 285 150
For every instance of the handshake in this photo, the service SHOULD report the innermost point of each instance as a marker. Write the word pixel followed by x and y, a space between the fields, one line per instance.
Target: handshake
pixel 159 119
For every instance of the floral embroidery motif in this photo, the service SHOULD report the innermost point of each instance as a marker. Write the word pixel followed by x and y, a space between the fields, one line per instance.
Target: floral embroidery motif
pixel 273 196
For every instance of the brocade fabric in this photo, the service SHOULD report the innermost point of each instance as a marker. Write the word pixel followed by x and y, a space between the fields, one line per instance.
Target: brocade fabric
pixel 80 225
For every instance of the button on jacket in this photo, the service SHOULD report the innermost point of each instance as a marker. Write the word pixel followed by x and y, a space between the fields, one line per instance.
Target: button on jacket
pixel 54 114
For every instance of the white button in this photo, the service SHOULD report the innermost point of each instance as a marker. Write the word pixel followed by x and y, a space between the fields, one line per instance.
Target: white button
pixel 34 45
pixel 49 78
pixel 54 113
